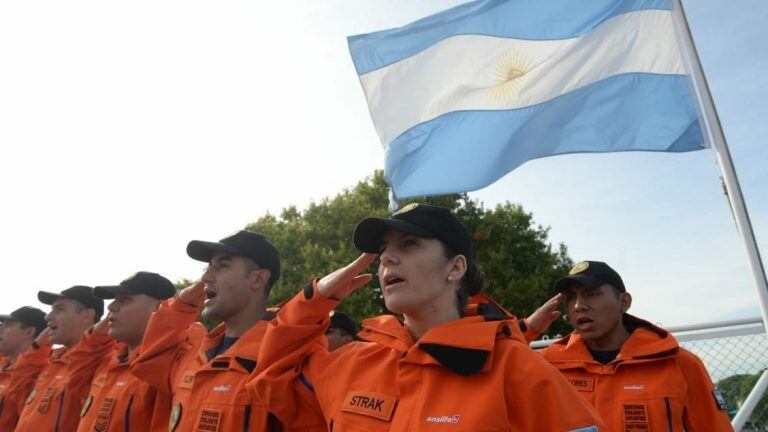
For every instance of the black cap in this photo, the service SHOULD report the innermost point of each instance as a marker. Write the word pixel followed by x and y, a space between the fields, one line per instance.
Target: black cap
pixel 151 284
pixel 245 243
pixel 342 321
pixel 421 220
pixel 81 293
pixel 27 315
pixel 592 274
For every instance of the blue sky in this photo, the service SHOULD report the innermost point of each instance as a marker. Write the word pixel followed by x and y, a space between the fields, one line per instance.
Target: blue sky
pixel 129 129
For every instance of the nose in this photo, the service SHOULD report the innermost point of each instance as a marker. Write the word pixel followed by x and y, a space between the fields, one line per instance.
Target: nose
pixel 388 256
pixel 207 275
pixel 580 304
pixel 113 307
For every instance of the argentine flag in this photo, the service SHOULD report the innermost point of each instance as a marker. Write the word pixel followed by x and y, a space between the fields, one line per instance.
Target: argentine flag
pixel 462 97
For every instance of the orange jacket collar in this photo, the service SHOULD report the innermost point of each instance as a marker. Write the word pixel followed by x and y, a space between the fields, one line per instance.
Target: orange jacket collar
pixel 647 341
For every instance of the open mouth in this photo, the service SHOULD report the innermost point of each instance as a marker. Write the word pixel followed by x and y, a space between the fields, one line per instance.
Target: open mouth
pixel 393 279
pixel 209 294
pixel 584 323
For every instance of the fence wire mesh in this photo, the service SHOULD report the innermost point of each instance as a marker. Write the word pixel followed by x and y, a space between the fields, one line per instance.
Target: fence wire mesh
pixel 735 363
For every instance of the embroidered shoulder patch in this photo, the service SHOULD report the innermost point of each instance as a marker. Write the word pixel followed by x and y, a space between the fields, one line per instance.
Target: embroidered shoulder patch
pixel 719 400
pixel 187 380
pixel 370 404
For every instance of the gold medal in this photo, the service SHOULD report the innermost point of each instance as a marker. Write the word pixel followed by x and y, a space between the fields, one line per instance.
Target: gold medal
pixel 31 396
pixel 175 416
pixel 86 406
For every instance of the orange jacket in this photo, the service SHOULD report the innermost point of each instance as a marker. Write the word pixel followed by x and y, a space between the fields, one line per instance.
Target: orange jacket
pixel 55 402
pixel 208 394
pixel 467 375
pixel 17 380
pixel 653 384
pixel 118 401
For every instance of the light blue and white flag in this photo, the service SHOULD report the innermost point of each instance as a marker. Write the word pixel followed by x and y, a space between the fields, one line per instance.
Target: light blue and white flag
pixel 462 97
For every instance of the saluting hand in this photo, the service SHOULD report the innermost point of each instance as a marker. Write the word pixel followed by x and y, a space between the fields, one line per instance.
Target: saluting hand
pixel 346 280
pixel 44 338
pixel 102 327
pixel 194 294
pixel 545 315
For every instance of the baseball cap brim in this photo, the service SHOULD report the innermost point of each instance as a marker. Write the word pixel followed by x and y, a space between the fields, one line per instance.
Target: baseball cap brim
pixel 369 233
pixel 111 291
pixel 4 318
pixel 569 281
pixel 49 298
pixel 204 251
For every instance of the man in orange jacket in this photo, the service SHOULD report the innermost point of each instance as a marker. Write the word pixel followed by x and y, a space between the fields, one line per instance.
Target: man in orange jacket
pixel 19 330
pixel 118 400
pixel 55 401
pixel 207 375
pixel 633 372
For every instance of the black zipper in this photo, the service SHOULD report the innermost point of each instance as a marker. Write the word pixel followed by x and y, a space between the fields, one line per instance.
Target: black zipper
pixel 247 418
pixel 128 414
pixel 61 405
pixel 670 427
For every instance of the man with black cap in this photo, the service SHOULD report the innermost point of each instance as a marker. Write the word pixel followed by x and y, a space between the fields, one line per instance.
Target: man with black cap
pixel 54 403
pixel 17 333
pixel 634 373
pixel 118 400
pixel 207 375
pixel 341 330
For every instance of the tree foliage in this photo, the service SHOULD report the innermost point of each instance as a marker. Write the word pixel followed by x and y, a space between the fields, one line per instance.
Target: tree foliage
pixel 736 388
pixel 514 253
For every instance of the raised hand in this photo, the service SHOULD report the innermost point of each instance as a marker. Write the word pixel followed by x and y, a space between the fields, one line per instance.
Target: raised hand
pixel 44 338
pixel 102 327
pixel 346 280
pixel 194 294
pixel 543 317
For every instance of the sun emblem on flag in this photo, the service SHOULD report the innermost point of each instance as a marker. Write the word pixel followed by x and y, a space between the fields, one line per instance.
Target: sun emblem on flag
pixel 510 72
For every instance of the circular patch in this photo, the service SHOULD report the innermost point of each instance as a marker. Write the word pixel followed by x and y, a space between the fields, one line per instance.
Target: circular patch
pixel 175 416
pixel 31 397
pixel 406 209
pixel 86 406
pixel 578 268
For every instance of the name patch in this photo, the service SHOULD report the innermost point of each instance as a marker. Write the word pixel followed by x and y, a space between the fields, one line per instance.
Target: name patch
pixel 583 384
pixel 209 421
pixel 187 380
pixel 635 417
pixel 370 404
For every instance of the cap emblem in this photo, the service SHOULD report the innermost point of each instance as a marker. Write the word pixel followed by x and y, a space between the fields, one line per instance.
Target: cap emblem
pixel 578 268
pixel 406 209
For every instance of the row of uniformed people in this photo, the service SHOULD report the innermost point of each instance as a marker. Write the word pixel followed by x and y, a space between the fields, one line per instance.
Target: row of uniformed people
pixel 453 361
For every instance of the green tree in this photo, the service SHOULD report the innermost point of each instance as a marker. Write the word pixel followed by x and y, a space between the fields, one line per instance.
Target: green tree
pixel 514 253
pixel 736 388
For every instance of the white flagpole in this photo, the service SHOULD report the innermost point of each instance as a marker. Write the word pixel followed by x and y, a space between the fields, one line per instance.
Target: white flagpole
pixel 713 134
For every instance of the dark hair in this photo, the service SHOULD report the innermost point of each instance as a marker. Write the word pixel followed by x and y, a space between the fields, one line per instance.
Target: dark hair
pixel 24 326
pixel 80 307
pixel 471 283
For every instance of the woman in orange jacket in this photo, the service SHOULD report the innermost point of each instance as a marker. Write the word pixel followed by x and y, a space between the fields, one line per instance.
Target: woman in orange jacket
pixel 435 369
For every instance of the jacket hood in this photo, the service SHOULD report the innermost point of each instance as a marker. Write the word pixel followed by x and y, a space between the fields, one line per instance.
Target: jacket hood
pixel 646 342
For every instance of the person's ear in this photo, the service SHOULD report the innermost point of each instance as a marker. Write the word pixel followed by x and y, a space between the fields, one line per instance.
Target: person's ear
pixel 625 301
pixel 458 266
pixel 260 278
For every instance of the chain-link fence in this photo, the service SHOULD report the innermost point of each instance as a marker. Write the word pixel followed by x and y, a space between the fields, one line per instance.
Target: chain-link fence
pixel 735 354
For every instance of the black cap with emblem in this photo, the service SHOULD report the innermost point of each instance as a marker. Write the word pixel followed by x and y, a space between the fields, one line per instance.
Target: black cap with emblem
pixel 147 283
pixel 249 244
pixel 81 293
pixel 421 220
pixel 28 316
pixel 592 274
